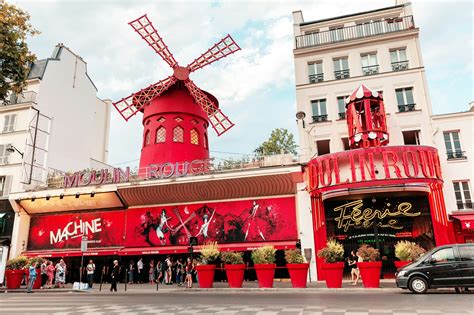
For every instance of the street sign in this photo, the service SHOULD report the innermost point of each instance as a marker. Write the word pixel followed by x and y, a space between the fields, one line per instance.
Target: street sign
pixel 84 244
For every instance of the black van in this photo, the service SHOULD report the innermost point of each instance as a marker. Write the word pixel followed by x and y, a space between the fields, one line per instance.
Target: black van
pixel 442 267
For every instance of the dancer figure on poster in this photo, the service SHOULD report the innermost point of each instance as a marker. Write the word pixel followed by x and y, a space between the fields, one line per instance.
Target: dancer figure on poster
pixel 163 227
pixel 149 223
pixel 205 225
pixel 252 220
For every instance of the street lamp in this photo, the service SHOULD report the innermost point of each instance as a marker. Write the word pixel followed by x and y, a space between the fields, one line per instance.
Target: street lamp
pixel 301 116
pixel 11 148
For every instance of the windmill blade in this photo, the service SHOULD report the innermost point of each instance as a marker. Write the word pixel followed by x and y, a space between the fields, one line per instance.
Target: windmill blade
pixel 223 48
pixel 220 122
pixel 144 27
pixel 132 104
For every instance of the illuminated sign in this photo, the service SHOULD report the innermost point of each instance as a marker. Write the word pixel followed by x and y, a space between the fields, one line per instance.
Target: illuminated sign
pixel 96 177
pixel 75 229
pixel 352 214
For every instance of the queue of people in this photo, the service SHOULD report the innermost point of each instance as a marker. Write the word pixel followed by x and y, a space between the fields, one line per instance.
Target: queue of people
pixel 52 274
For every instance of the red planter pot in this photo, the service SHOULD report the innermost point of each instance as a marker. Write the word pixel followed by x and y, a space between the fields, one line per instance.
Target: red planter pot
pixel 399 264
pixel 265 275
pixel 37 283
pixel 206 275
pixel 13 278
pixel 333 274
pixel 370 273
pixel 298 274
pixel 235 275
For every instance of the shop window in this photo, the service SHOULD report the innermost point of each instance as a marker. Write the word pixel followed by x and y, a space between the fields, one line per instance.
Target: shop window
pixel 345 143
pixel 411 137
pixel 178 134
pixel 452 142
pixel 3 222
pixel 323 147
pixel 462 193
pixel 161 135
pixel 194 137
pixel 147 138
pixel 444 255
pixel 466 253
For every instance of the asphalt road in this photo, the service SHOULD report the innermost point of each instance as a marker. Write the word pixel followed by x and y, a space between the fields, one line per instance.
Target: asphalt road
pixel 324 303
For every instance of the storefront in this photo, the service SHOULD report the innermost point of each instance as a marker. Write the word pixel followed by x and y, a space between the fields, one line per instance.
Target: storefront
pixel 6 225
pixel 463 224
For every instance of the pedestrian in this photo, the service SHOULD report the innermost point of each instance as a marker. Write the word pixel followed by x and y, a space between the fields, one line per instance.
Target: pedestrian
pixel 189 273
pixel 140 271
pixel 50 272
pixel 169 264
pixel 179 268
pixel 60 273
pixel 114 276
pixel 159 271
pixel 90 273
pixel 352 262
pixel 131 269
pixel 44 274
pixel 31 277
pixel 164 267
pixel 151 272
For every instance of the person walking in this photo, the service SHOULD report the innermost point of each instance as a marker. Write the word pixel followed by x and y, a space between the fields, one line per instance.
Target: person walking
pixel 50 272
pixel 114 276
pixel 90 273
pixel 151 272
pixel 352 262
pixel 131 269
pixel 179 269
pixel 189 273
pixel 140 271
pixel 168 264
pixel 159 270
pixel 31 277
pixel 44 274
pixel 60 273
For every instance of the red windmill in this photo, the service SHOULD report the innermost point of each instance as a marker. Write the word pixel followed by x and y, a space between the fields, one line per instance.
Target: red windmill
pixel 176 113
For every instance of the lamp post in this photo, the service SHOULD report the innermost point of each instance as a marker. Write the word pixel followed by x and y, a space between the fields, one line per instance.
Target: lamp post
pixel 11 148
pixel 301 116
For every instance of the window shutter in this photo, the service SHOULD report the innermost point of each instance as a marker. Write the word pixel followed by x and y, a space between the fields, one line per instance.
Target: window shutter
pixel 7 186
pixel 12 122
pixel 6 123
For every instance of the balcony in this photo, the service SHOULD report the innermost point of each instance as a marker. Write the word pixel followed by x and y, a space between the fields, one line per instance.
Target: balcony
pixel 400 65
pixel 464 205
pixel 456 155
pixel 369 70
pixel 342 74
pixel 342 115
pixel 320 118
pixel 406 108
pixel 365 30
pixel 315 78
pixel 25 97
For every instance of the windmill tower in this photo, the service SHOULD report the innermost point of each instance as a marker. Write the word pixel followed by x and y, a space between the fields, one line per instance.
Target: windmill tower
pixel 176 113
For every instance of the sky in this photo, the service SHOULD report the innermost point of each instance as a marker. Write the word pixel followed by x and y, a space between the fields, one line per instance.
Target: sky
pixel 255 86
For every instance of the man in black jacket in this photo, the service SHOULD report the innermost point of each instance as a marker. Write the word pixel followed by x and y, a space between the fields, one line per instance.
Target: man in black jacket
pixel 114 276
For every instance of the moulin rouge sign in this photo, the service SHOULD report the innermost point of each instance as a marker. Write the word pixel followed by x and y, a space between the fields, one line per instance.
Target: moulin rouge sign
pixel 370 164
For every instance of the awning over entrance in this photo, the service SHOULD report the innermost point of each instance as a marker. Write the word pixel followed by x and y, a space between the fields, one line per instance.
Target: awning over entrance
pixel 72 253
pixel 466 220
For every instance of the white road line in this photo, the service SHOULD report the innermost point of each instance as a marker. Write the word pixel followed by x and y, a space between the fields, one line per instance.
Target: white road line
pixel 33 309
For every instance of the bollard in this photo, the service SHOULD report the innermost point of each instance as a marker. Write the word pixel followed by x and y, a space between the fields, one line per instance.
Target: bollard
pixel 101 279
pixel 126 279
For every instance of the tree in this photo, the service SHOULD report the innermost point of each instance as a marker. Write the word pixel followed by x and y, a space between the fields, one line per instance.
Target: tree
pixel 280 141
pixel 15 58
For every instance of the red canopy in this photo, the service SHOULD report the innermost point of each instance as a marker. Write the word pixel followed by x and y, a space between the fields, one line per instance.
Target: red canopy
pixel 466 220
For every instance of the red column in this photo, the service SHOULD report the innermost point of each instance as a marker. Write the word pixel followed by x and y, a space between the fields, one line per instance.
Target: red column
pixel 319 226
pixel 443 233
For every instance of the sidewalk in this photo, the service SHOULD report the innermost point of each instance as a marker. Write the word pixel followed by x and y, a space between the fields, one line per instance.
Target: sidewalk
pixel 220 287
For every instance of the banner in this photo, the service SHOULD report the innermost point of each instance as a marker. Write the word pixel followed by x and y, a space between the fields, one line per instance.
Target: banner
pixel 259 220
pixel 64 231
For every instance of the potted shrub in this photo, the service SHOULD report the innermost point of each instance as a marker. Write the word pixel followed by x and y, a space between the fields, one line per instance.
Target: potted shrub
pixel 333 265
pixel 234 268
pixel 14 271
pixel 297 268
pixel 264 262
pixel 38 261
pixel 370 267
pixel 207 268
pixel 407 252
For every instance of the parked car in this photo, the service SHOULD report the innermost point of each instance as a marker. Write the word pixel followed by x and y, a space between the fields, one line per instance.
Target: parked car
pixel 448 266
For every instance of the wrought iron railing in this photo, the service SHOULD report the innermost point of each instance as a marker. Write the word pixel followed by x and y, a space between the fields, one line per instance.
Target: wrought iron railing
pixel 406 107
pixel 320 118
pixel 315 78
pixel 453 155
pixel 400 65
pixel 464 205
pixel 342 74
pixel 354 32
pixel 369 70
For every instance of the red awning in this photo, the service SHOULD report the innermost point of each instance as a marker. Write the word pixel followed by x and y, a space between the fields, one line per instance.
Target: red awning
pixel 466 220
pixel 72 253
pixel 184 249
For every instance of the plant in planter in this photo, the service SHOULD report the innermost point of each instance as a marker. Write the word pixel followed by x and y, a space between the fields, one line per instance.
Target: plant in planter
pixel 264 263
pixel 14 271
pixel 333 266
pixel 206 269
pixel 234 268
pixel 407 252
pixel 38 261
pixel 370 267
pixel 297 267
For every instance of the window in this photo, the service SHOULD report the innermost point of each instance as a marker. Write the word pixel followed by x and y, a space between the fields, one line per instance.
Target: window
pixel 443 256
pixel 315 72
pixel 394 24
pixel 4 154
pixel 411 137
pixel 405 99
pixel 463 194
pixel 341 68
pixel 147 138
pixel 194 137
pixel 322 146
pixel 452 143
pixel 3 222
pixel 319 110
pixel 178 134
pixel 178 119
pixel 341 106
pixel 336 33
pixel 399 60
pixel 466 253
pixel 161 135
pixel 9 123
pixel 369 64
pixel 345 143
pixel 161 119
pixel 5 185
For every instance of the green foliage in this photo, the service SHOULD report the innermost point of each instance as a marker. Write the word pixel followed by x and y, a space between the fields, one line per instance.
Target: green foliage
pixel 17 263
pixel 35 260
pixel 408 251
pixel 294 256
pixel 264 255
pixel 15 57
pixel 280 141
pixel 232 258
pixel 333 252
pixel 368 253
pixel 209 253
